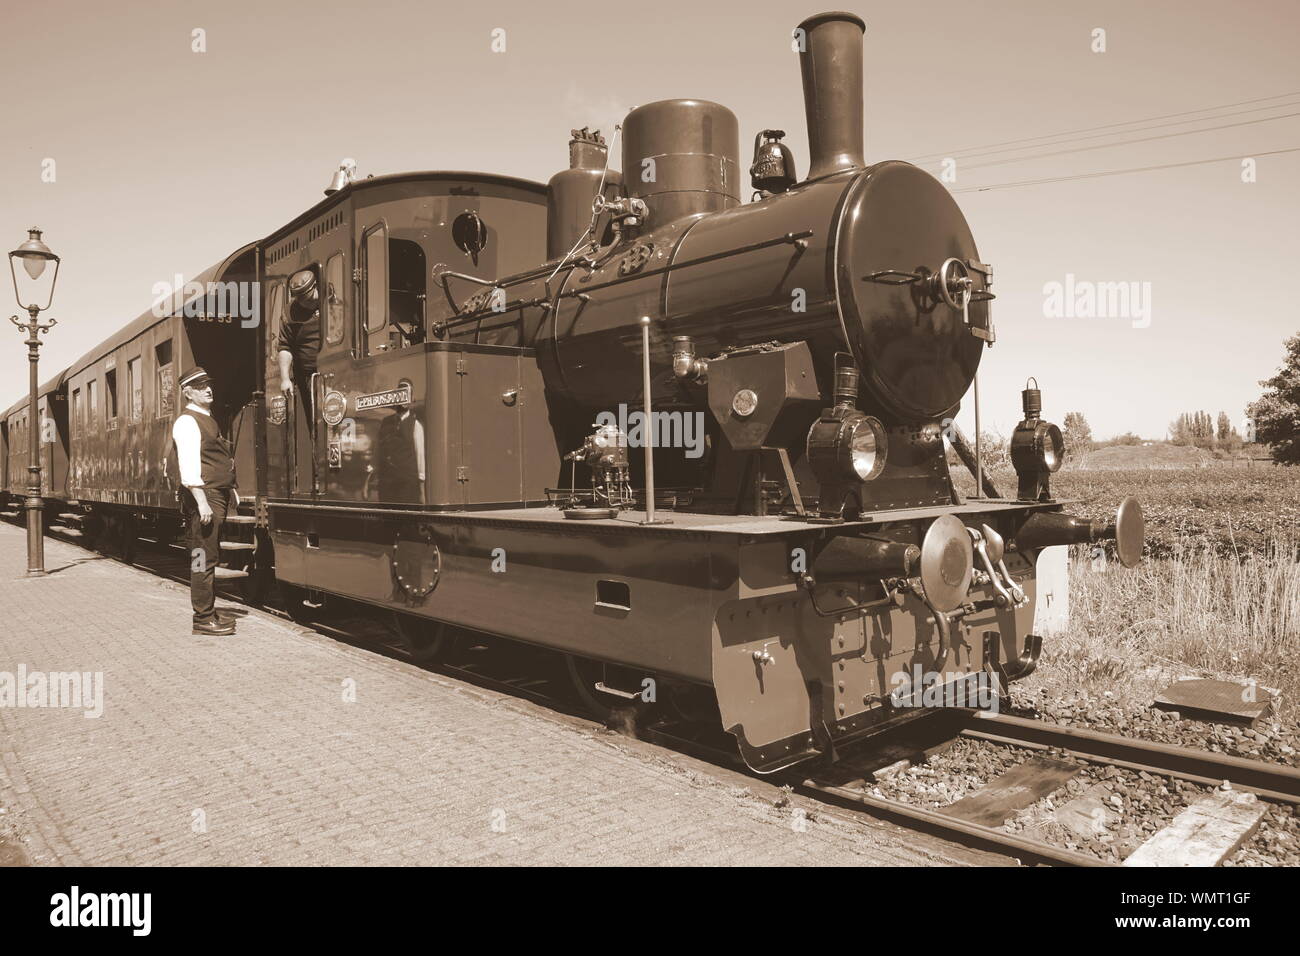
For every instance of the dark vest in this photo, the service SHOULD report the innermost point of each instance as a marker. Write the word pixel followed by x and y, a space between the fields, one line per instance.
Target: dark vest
pixel 214 451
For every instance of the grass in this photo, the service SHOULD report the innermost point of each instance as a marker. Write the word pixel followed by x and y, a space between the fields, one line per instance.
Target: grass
pixel 1218 594
pixel 1198 611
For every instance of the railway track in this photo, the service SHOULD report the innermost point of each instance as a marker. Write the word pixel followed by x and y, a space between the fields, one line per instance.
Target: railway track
pixel 1270 782
pixel 845 783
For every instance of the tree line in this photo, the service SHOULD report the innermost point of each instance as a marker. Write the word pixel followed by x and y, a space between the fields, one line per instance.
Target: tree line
pixel 1198 430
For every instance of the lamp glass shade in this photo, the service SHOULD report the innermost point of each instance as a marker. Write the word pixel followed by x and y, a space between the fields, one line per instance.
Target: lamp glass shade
pixel 34 265
pixel 36 256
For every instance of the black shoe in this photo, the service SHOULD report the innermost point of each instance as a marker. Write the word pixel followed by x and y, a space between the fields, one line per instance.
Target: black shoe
pixel 213 628
pixel 225 617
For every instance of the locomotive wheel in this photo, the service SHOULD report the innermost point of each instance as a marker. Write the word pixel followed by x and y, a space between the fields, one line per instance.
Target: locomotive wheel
pixel 430 642
pixel 612 710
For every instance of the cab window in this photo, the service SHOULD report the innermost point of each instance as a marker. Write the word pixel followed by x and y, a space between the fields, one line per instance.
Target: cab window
pixel 394 277
pixel 406 292
pixel 276 313
pixel 334 311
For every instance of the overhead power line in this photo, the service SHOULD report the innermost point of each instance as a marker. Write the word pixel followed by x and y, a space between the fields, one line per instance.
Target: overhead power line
pixel 1121 172
pixel 1137 129
pixel 1126 142
pixel 1092 129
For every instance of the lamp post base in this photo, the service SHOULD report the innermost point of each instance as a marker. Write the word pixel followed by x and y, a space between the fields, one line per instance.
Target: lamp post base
pixel 35 537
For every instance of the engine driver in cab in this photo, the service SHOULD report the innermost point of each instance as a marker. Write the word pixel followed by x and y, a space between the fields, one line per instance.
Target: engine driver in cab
pixel 299 340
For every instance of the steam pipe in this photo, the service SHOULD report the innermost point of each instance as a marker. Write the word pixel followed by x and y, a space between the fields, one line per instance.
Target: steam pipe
pixel 830 61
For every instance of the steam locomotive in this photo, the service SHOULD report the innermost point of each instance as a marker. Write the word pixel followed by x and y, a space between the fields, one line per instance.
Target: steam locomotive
pixel 695 444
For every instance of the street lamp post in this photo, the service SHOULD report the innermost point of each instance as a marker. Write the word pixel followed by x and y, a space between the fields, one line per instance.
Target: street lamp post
pixel 35 255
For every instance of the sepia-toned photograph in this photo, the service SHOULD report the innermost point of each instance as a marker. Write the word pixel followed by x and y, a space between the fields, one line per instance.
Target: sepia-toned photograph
pixel 738 434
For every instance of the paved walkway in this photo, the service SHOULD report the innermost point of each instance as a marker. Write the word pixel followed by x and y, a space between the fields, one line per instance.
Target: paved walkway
pixel 281 746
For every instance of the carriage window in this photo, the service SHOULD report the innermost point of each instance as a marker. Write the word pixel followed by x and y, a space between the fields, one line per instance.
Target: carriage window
pixel 165 403
pixel 110 393
pixel 334 299
pixel 92 405
pixel 134 389
pixel 76 413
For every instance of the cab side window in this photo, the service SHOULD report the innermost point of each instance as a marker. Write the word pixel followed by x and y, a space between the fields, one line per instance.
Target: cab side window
pixel 395 290
pixel 406 292
pixel 334 312
pixel 275 311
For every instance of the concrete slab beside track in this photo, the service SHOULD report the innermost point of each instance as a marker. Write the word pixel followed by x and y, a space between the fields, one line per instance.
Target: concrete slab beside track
pixel 245 750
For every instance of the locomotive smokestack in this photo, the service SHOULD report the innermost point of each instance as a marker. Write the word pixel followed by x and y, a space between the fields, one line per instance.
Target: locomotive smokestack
pixel 830 61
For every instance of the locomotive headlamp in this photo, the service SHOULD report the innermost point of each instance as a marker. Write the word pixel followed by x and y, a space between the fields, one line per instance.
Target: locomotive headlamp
pixel 866 442
pixel 848 447
pixel 1043 445
pixel 845 447
pixel 1037 448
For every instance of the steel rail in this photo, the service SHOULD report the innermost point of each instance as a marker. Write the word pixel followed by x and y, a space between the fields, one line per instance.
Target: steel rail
pixel 1273 781
pixel 932 822
pixel 937 823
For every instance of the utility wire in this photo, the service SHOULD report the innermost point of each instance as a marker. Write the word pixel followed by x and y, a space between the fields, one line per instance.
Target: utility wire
pixel 1091 129
pixel 1138 129
pixel 1121 172
pixel 1127 142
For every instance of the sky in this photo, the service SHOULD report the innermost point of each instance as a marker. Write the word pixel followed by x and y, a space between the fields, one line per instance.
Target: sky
pixel 166 159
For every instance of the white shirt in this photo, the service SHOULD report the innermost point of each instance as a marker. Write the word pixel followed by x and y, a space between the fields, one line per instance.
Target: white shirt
pixel 189 447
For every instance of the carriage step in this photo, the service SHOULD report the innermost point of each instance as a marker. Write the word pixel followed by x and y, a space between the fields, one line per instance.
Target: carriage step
pixel 238 546
pixel 241 519
pixel 71 516
pixel 228 574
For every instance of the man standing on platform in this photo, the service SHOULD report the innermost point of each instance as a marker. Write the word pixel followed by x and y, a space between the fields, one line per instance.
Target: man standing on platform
pixel 207 473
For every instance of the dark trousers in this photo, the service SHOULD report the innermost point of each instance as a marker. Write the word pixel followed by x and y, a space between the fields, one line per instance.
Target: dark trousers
pixel 205 552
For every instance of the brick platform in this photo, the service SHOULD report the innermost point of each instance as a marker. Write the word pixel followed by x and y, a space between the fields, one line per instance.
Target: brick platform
pixel 243 750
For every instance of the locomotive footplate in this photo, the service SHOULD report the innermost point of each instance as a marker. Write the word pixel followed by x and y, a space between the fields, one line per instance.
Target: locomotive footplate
pixel 711 600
